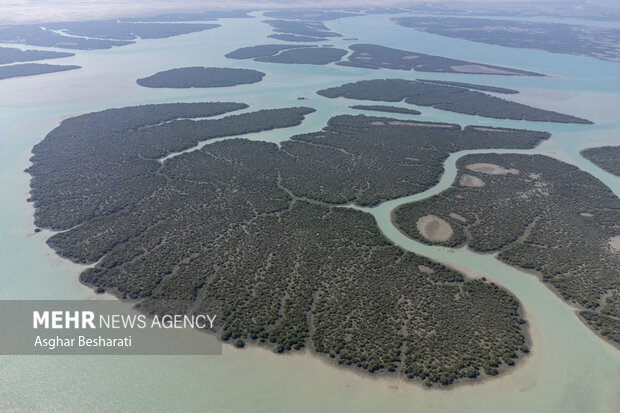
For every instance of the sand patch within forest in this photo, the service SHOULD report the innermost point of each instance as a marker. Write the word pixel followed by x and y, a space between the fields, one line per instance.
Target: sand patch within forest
pixel 614 242
pixel 470 180
pixel 491 169
pixel 434 228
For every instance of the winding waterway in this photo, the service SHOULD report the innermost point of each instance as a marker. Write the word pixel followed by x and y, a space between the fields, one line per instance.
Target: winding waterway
pixel 569 368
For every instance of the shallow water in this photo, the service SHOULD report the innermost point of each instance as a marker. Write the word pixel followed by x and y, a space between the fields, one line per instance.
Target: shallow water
pixel 569 369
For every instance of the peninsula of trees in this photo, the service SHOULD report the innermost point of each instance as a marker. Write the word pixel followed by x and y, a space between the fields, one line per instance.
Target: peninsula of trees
pixel 540 214
pixel 94 34
pixel 458 98
pixel 373 56
pixel 31 69
pixel 605 157
pixel 12 55
pixel 257 227
pixel 187 77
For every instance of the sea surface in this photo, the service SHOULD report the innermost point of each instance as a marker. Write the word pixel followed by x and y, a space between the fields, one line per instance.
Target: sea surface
pixel 569 368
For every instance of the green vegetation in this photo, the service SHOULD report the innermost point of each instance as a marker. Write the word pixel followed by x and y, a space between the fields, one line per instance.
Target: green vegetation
pixel 98 34
pixel 608 327
pixel 117 30
pixel 31 69
pixel 540 214
pixel 309 55
pixel 302 28
pixel 248 224
pixel 611 304
pixel 484 88
pixel 145 134
pixel 12 55
pixel 605 157
pixel 389 109
pixel 451 98
pixel 594 41
pixel 36 35
pixel 291 53
pixel 304 25
pixel 260 51
pixel 345 162
pixel 187 77
pixel 372 56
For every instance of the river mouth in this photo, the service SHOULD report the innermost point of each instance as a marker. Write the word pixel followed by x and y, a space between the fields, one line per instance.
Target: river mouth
pixel 569 369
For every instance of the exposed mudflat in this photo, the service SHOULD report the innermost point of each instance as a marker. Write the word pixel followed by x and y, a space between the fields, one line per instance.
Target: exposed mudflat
pixel 491 169
pixel 470 180
pixel 434 228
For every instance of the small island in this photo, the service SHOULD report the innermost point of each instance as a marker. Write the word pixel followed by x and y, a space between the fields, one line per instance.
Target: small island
pixel 31 69
pixel 291 54
pixel 303 25
pixel 605 157
pixel 453 98
pixel 12 55
pixel 541 215
pixel 187 77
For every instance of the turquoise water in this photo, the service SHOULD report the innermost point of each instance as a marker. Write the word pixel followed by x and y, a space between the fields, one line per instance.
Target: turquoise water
pixel 569 369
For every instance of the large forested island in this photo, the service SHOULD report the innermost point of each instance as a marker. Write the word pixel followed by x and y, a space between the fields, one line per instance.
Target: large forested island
pixel 369 56
pixel 454 97
pixel 258 227
pixel 539 214
pixel 186 77
pixel 599 42
pixel 94 34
